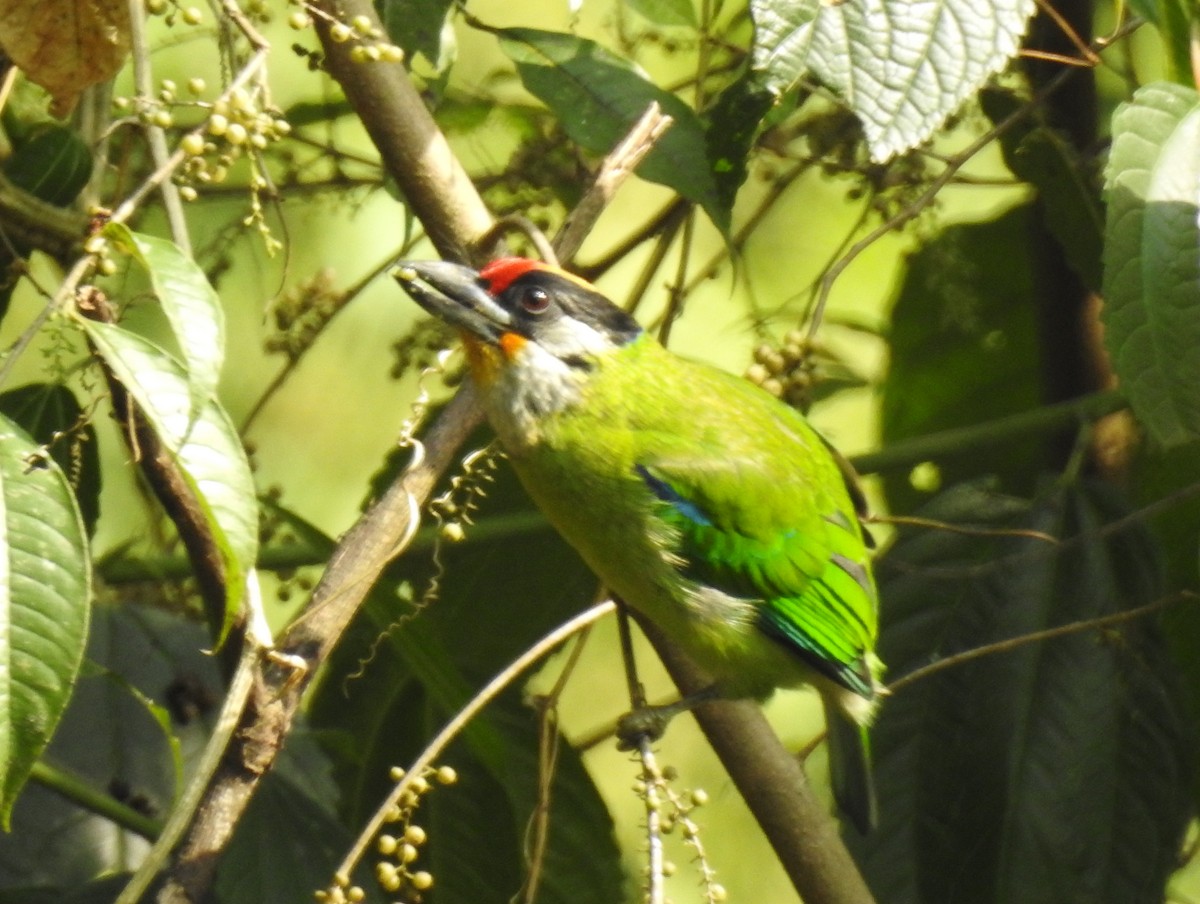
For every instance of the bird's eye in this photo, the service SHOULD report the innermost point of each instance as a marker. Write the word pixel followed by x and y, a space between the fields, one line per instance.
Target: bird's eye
pixel 535 300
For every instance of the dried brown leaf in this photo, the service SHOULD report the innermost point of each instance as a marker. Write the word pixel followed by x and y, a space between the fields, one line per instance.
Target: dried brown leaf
pixel 65 45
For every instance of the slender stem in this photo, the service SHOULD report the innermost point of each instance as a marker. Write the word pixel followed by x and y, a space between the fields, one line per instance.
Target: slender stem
pixel 460 721
pixel 143 78
pixel 1012 643
pixel 185 808
pixel 963 440
pixel 79 791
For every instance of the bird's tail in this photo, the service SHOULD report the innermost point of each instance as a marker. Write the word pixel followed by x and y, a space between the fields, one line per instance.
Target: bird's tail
pixel 850 768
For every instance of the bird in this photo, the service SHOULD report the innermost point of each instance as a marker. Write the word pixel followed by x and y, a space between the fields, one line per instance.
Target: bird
pixel 710 507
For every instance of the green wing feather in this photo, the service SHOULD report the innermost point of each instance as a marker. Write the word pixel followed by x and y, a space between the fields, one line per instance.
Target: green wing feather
pixel 795 549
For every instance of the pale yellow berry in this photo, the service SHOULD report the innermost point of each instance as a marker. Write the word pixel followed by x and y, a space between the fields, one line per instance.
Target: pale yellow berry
pixel 447 775
pixel 298 21
pixel 414 835
pixel 388 876
pixel 197 86
pixel 717 892
pixel 236 134
pixel 390 53
pixel 163 119
pixel 193 15
pixel 192 144
pixel 156 7
pixel 361 24
pixel 699 797
pixel 218 124
pixel 95 244
pixel 387 844
pixel 188 193
pixel 396 773
pixel 452 532
pixel 259 140
pixel 421 880
pixel 240 101
pixel 355 894
pixel 107 266
pixel 358 54
pixel 407 853
pixel 339 32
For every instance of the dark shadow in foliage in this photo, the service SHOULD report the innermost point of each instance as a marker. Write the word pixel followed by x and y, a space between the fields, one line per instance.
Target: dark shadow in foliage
pixel 1055 772
pixel 963 333
pixel 53 164
pixel 110 740
pixel 51 415
pixel 410 671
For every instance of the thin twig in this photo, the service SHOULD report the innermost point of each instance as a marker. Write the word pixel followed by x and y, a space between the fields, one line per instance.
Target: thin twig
pixel 185 807
pixel 1013 643
pixel 549 739
pixel 143 79
pixel 524 226
pixel 655 892
pixel 968 530
pixel 616 168
pixel 455 726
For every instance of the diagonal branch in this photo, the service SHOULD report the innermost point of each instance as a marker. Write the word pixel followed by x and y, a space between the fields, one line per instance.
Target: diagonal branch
pixel 440 194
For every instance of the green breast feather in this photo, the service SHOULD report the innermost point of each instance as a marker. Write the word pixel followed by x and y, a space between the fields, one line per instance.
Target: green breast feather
pixel 672 476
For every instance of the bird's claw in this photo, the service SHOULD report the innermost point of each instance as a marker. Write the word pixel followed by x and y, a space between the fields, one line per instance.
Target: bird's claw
pixel 645 724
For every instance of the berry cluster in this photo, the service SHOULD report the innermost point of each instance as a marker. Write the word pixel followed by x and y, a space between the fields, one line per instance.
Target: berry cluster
pixel 371 46
pixel 398 849
pixel 785 371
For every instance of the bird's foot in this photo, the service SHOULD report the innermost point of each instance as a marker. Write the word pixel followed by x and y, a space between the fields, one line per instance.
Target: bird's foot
pixel 649 723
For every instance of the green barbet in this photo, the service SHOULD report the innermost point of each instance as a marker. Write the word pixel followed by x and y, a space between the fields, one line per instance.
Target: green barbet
pixel 706 504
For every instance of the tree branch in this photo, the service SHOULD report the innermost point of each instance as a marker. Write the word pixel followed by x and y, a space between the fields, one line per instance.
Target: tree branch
pixel 441 195
pixel 414 150
pixel 774 786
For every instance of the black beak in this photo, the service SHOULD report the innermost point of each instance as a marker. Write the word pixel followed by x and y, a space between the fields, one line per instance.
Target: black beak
pixel 455 294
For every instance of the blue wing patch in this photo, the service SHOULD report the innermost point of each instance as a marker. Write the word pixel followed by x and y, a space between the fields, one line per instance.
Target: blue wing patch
pixel 670 495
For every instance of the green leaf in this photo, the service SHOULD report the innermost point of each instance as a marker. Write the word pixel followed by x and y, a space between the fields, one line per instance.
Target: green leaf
pixel 204 444
pixel 1173 19
pixel 962 334
pixel 902 67
pixel 54 164
pixel 1047 772
pixel 109 739
pixel 1152 259
pixel 734 122
pixel 420 27
pixel 98 891
pixel 1068 186
pixel 45 589
pixel 666 12
pixel 49 413
pixel 192 307
pixel 598 96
